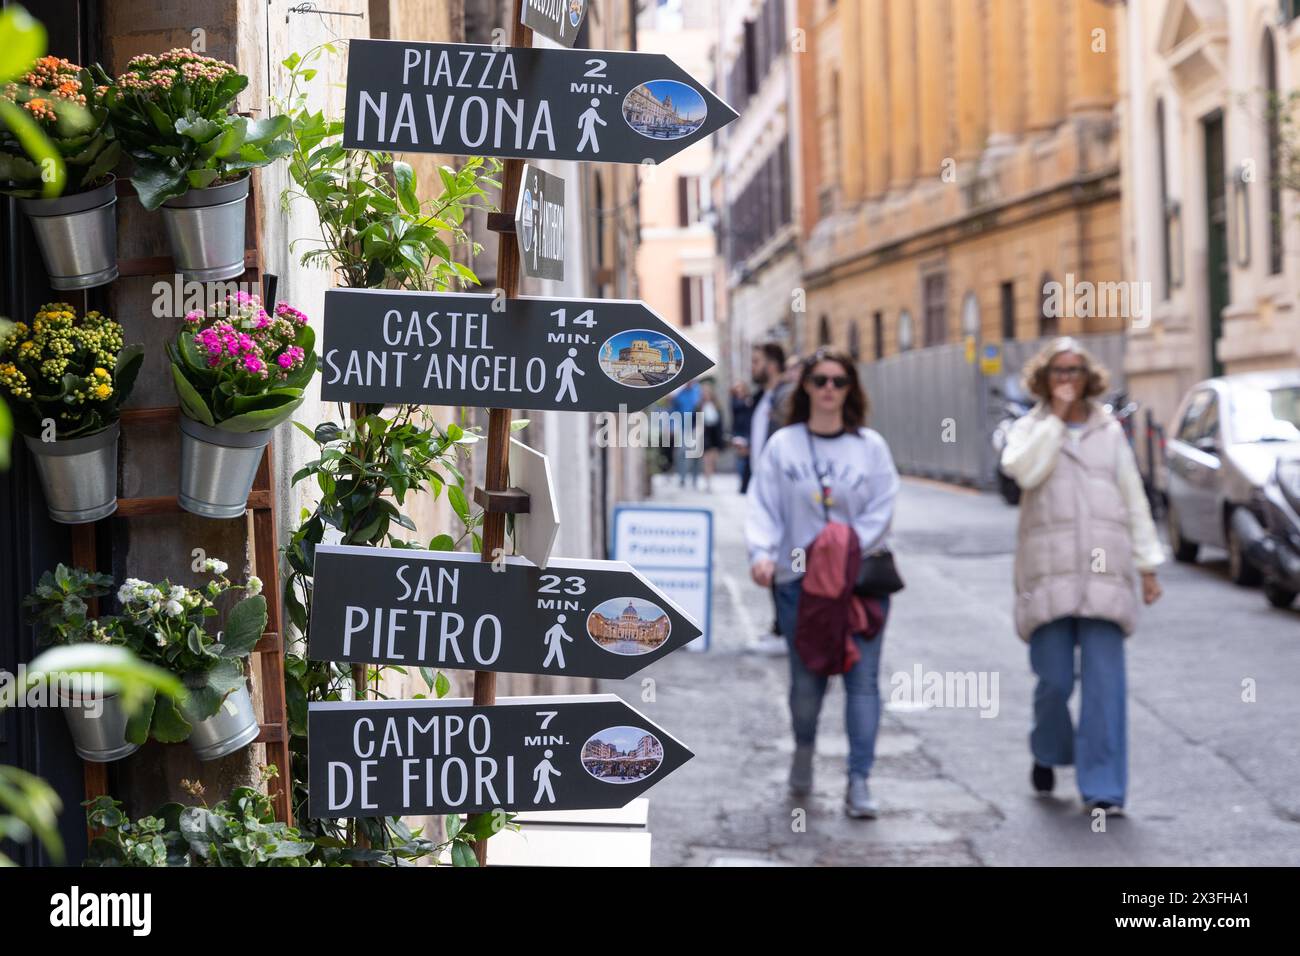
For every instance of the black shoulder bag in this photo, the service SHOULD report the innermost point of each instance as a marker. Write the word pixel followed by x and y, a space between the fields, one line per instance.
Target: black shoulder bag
pixel 877 575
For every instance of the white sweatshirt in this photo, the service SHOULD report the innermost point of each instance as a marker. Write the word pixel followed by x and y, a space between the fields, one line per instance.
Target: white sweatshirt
pixel 1030 455
pixel 784 499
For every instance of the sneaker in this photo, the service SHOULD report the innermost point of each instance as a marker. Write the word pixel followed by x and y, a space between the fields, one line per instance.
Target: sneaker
pixel 801 771
pixel 1044 778
pixel 1110 809
pixel 769 645
pixel 857 801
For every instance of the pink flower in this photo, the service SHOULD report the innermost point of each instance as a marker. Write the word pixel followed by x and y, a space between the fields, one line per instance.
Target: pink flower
pixel 252 363
pixel 286 311
pixel 194 315
pixel 263 320
pixel 285 360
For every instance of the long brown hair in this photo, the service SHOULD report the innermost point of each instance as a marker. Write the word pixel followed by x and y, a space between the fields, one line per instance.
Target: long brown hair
pixel 856 405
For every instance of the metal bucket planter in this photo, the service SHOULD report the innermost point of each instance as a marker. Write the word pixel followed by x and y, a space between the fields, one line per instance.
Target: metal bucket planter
pixel 79 475
pixel 233 726
pixel 206 230
pixel 218 468
pixel 102 738
pixel 77 236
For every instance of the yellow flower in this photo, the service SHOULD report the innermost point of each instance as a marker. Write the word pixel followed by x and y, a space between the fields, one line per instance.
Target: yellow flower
pixel 101 373
pixel 102 391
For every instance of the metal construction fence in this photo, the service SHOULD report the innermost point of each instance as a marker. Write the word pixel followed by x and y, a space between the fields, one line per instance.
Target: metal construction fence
pixel 937 409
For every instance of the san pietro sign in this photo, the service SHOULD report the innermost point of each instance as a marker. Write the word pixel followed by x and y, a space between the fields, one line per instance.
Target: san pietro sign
pixel 521 102
pixel 399 757
pixel 442 348
pixel 453 610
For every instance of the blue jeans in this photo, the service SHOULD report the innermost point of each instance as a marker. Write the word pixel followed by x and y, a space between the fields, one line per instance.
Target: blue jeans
pixel 861 687
pixel 1099 748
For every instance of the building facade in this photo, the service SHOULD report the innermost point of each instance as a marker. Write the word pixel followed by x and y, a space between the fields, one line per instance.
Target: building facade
pixel 1209 205
pixel 753 176
pixel 959 171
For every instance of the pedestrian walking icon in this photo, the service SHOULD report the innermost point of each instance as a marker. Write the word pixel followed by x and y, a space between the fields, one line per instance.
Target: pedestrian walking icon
pixel 542 774
pixel 564 372
pixel 555 638
pixel 587 123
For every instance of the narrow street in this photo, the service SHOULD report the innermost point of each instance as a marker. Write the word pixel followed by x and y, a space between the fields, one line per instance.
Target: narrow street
pixel 1213 779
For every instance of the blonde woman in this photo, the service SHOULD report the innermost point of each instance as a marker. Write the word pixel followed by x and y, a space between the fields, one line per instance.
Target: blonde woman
pixel 1085 538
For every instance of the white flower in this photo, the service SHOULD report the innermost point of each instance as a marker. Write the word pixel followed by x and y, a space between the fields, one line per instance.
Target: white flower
pixel 173 608
pixel 215 565
pixel 177 593
pixel 161 638
pixel 130 590
pixel 254 585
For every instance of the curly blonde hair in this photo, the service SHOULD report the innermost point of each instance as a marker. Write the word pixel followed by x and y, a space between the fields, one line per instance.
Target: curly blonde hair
pixel 1035 376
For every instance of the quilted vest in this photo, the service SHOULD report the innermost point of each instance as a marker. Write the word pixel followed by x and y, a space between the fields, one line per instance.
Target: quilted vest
pixel 1074 553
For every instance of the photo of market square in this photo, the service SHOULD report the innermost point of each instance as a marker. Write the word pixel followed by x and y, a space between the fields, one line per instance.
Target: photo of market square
pixel 622 754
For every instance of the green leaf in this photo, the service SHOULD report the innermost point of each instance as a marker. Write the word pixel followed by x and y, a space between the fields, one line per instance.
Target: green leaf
pixel 404 176
pixel 244 627
pixel 260 420
pixel 441 685
pixel 198 128
pixel 155 184
pixel 169 726
pixel 217 683
pixel 137 725
pixel 462 854
pixel 22 40
pixel 192 402
pixel 37 145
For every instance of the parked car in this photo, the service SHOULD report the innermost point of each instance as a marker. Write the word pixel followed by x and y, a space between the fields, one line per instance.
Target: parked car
pixel 1273 544
pixel 1228 436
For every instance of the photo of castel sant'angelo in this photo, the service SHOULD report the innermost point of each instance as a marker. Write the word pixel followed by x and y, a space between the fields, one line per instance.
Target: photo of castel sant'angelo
pixel 640 358
pixel 628 626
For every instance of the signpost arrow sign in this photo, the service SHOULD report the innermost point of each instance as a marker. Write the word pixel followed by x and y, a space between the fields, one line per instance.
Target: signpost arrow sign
pixel 441 348
pixel 558 20
pixel 451 609
pixel 535 530
pixel 398 757
pixel 474 100
pixel 539 223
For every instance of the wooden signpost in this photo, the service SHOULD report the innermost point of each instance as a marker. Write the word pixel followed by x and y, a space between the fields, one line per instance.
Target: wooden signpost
pixel 599 618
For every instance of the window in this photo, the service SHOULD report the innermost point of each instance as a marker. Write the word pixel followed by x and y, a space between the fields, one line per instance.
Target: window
pixel 878 335
pixel 1274 106
pixel 1166 239
pixel 855 341
pixel 762 206
pixel 824 331
pixel 696 307
pixel 934 307
pixel 970 316
pixel 1191 427
pixel 1049 323
pixel 1008 311
pixel 688 200
pixel 905 331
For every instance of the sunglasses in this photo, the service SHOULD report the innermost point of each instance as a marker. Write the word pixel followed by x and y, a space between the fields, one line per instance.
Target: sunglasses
pixel 821 381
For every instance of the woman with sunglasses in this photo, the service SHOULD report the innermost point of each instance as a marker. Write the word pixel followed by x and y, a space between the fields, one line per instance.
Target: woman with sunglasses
pixel 825 465
pixel 1084 538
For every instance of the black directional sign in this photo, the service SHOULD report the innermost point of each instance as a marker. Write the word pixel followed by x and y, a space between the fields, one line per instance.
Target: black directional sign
pixel 453 610
pixel 473 100
pixel 558 20
pixel 439 348
pixel 398 757
pixel 539 223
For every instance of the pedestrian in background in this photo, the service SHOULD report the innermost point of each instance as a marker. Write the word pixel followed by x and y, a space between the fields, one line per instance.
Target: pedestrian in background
pixel 710 418
pixel 767 368
pixel 685 403
pixel 742 413
pixel 1085 536
pixel 824 466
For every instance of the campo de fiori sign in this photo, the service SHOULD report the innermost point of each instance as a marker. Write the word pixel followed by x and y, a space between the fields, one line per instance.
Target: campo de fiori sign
pixel 474 100
pixel 453 610
pixel 440 348
pixel 391 758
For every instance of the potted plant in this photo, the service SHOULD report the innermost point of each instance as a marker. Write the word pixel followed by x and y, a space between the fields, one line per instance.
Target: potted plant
pixel 76 231
pixel 66 378
pixel 192 153
pixel 167 625
pixel 58 608
pixel 239 371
